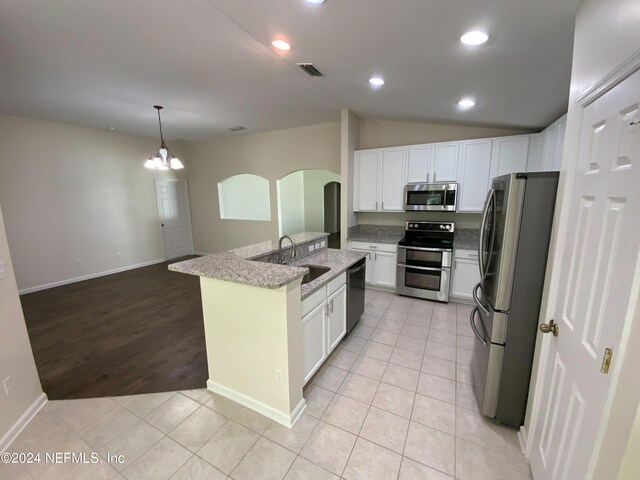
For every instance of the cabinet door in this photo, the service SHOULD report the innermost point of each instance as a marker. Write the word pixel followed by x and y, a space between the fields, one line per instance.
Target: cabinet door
pixel 314 344
pixel 445 162
pixel 536 146
pixel 393 179
pixel 466 275
pixel 369 262
pixel 419 163
pixel 474 175
pixel 549 148
pixel 509 155
pixel 559 144
pixel 337 304
pixel 366 180
pixel 384 272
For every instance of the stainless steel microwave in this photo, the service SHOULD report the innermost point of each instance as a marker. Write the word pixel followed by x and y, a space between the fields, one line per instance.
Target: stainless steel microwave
pixel 437 197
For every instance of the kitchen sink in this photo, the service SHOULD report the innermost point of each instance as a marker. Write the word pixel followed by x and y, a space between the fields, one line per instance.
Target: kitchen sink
pixel 314 272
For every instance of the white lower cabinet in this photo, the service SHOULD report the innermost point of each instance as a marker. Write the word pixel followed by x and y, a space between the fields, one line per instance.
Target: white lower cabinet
pixel 465 274
pixel 324 323
pixel 382 259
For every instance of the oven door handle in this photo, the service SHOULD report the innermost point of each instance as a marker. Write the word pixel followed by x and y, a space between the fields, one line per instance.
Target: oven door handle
pixel 404 265
pixel 425 249
pixel 472 320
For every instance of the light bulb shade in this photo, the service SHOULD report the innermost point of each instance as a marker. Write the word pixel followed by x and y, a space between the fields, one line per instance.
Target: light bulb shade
pixel 163 153
pixel 150 164
pixel 176 164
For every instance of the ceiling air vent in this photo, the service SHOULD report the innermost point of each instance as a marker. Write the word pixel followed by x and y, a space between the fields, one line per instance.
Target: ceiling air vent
pixel 310 70
pixel 236 129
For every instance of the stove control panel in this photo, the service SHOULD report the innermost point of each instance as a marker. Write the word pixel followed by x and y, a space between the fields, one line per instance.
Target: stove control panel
pixel 430 226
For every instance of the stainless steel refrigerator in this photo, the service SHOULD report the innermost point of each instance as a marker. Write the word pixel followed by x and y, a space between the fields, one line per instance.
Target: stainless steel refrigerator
pixel 513 248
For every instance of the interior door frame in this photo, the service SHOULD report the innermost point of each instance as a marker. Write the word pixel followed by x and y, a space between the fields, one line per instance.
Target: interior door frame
pixel 623 399
pixel 187 204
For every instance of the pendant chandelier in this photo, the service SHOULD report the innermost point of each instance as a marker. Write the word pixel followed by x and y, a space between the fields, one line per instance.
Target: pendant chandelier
pixel 163 160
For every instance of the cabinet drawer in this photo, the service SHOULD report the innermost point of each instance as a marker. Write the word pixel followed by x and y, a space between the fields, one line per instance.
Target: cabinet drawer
pixel 466 254
pixel 375 247
pixel 336 283
pixel 313 300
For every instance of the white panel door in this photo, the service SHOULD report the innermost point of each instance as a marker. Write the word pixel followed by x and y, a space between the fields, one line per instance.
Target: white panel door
pixel 466 275
pixel 393 179
pixel 175 218
pixel 366 166
pixel 593 297
pixel 314 340
pixel 337 304
pixel 419 163
pixel 509 155
pixel 474 174
pixel 384 273
pixel 445 162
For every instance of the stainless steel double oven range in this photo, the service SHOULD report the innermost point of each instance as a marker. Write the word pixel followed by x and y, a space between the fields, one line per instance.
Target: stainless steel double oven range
pixel 424 260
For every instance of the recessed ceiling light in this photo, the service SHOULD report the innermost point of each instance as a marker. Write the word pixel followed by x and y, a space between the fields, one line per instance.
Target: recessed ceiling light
pixel 466 102
pixel 376 81
pixel 113 129
pixel 281 45
pixel 316 2
pixel 474 37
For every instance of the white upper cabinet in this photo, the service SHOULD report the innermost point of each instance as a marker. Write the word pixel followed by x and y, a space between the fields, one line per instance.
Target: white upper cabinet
pixel 474 174
pixel 536 147
pixel 392 179
pixel 419 162
pixel 380 178
pixel 509 155
pixel 366 168
pixel 445 162
pixel 556 159
pixel 545 152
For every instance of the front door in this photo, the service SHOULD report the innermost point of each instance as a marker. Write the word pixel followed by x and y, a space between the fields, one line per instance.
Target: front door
pixel 174 216
pixel 597 259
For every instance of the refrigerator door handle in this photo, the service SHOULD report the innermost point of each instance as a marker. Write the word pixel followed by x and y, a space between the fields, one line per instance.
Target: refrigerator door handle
pixel 485 215
pixel 476 298
pixel 472 320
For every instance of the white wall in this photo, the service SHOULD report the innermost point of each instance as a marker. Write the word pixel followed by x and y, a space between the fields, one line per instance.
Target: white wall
pixel 291 203
pixel 606 34
pixel 73 194
pixel 271 155
pixel 314 182
pixel 16 357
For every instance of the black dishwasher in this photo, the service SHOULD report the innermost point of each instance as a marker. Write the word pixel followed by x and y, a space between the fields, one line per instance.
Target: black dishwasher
pixel 355 293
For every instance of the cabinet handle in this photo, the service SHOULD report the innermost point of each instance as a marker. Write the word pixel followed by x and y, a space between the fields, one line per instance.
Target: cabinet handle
pixel 376 254
pixel 435 174
pixel 332 307
pixel 382 206
pixel 427 177
pixel 372 246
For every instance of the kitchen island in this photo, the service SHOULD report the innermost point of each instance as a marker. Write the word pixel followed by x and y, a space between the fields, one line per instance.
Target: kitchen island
pixel 252 319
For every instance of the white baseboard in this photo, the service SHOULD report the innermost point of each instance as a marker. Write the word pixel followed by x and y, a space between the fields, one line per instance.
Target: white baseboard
pixel 283 418
pixel 22 422
pixel 89 276
pixel 522 439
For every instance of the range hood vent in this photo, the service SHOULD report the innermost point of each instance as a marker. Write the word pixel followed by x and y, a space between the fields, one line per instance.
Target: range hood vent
pixel 236 129
pixel 310 70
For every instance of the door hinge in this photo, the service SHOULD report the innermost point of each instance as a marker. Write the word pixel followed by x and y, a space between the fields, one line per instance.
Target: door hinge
pixel 606 361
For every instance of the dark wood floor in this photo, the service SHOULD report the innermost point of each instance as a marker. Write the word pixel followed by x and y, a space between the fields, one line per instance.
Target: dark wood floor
pixel 139 331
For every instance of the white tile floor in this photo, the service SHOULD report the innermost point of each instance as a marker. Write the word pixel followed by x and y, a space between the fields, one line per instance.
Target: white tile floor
pixel 393 402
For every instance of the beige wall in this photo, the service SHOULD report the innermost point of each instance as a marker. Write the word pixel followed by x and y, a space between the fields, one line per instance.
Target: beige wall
pixel 72 193
pixel 349 142
pixel 314 182
pixel 606 34
pixel 271 155
pixel 376 133
pixel 16 357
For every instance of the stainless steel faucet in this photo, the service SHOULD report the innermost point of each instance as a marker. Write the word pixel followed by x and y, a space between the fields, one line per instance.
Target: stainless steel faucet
pixel 293 248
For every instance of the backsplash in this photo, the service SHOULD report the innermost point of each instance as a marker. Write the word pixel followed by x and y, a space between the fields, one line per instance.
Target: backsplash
pixel 462 220
pixel 382 230
pixel 302 250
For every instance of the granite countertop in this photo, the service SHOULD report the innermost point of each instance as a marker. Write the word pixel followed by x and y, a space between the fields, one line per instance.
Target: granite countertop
pixel 236 265
pixel 390 234
pixel 337 260
pixel 466 239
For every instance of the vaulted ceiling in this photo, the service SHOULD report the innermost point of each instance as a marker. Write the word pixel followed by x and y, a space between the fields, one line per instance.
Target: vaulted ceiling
pixel 211 64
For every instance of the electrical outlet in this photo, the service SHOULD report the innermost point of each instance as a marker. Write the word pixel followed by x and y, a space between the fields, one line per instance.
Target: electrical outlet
pixel 323 243
pixel 3 271
pixel 8 385
pixel 317 246
pixel 311 248
pixel 279 377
